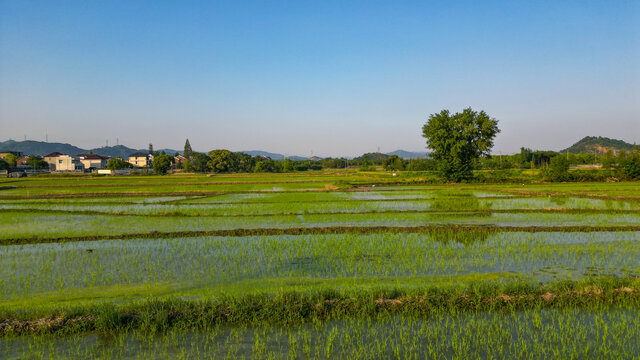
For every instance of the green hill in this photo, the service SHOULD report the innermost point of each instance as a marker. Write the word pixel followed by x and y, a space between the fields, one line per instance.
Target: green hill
pixel 599 144
pixel 31 147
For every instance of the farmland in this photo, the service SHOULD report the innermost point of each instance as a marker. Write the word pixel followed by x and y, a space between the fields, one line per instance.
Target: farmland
pixel 317 265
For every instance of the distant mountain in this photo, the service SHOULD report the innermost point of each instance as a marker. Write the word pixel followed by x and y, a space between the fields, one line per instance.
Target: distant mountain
pixel 113 151
pixel 300 158
pixel 171 151
pixel 408 154
pixel 273 156
pixel 374 157
pixel 31 147
pixel 599 144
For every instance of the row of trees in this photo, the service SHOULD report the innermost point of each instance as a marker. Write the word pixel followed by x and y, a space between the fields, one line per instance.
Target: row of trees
pixel 224 161
pixel 34 162
pixel 529 159
pixel 462 142
pixel 626 166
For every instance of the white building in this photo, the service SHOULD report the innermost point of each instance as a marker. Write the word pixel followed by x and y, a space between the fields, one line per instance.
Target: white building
pixel 140 159
pixel 93 161
pixel 63 162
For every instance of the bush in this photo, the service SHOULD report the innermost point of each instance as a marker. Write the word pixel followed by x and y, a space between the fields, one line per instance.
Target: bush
pixel 558 169
pixel 117 164
pixel 162 164
pixel 630 167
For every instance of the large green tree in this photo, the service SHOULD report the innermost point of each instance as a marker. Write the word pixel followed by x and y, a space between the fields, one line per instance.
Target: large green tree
pixel 630 166
pixel 12 160
pixel 117 164
pixel 187 150
pixel 222 161
pixel 457 140
pixel 36 162
pixel 162 163
pixel 558 168
pixel 199 162
pixel 393 162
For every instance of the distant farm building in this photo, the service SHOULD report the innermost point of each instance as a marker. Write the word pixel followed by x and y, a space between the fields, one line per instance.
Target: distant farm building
pixel 93 161
pixel 63 162
pixel 140 159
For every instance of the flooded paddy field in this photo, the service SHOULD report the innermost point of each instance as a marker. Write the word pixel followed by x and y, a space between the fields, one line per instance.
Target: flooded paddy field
pixel 343 265
pixel 571 333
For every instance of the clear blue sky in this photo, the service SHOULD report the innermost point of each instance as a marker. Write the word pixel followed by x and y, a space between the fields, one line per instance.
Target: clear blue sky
pixel 332 77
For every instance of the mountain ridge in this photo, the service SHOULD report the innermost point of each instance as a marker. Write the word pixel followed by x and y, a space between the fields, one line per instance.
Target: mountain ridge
pixel 599 144
pixel 41 148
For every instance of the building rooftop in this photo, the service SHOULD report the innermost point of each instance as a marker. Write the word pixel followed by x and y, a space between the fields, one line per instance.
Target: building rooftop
pixel 54 154
pixel 138 154
pixel 92 157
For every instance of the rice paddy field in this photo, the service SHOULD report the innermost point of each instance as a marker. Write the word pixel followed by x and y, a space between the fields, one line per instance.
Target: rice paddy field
pixel 317 265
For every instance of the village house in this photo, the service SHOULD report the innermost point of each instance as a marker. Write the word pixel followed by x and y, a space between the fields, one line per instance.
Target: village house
pixel 22 162
pixel 93 161
pixel 63 162
pixel 179 159
pixel 140 159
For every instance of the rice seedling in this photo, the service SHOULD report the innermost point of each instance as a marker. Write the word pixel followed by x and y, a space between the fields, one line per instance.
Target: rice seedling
pixel 317 265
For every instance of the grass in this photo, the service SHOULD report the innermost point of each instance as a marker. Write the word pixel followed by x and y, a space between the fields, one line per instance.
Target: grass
pixel 316 265
pixel 532 334
pixel 294 307
pixel 217 262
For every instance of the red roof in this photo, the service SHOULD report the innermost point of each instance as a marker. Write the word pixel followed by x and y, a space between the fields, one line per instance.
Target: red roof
pixel 53 154
pixel 93 157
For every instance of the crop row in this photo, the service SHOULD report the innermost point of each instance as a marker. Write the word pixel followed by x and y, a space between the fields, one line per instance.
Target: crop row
pixel 291 307
pixel 317 208
pixel 205 262
pixel 17 226
pixel 532 334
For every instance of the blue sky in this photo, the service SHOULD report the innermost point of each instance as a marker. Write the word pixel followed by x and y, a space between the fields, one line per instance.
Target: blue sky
pixel 332 77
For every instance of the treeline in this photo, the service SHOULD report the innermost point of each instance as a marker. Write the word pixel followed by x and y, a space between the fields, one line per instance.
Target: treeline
pixel 225 161
pixel 530 159
pixel 625 166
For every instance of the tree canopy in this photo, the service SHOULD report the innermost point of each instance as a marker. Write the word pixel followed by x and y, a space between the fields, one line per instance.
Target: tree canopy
pixel 393 162
pixel 162 163
pixel 187 150
pixel 36 162
pixel 12 160
pixel 117 164
pixel 4 165
pixel 221 161
pixel 457 140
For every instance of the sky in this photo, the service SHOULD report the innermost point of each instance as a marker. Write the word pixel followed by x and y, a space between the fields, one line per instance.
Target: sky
pixel 328 78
